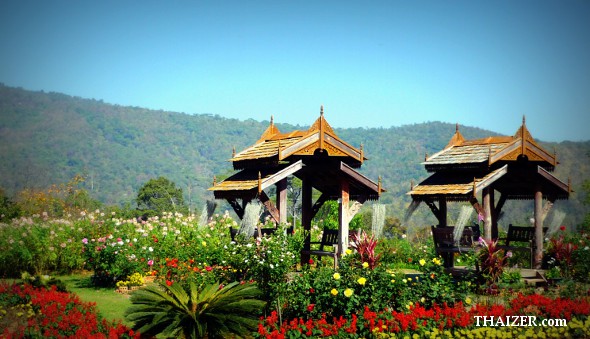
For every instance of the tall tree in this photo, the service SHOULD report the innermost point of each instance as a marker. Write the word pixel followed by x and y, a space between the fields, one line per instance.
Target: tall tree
pixel 160 195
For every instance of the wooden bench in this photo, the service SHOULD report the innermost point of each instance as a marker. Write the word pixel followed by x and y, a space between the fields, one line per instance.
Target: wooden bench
pixel 446 246
pixel 525 235
pixel 329 239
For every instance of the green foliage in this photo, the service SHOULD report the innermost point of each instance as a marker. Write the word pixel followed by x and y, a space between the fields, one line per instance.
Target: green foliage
pixel 216 311
pixel 160 195
pixel 8 209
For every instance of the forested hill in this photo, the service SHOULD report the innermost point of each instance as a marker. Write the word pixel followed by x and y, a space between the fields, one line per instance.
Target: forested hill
pixel 47 138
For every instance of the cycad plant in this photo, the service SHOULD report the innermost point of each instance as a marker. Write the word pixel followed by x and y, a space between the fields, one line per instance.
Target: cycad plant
pixel 213 312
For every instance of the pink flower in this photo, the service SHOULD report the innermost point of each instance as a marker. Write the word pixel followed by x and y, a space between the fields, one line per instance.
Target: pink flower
pixel 479 217
pixel 150 262
pixel 209 268
pixel 85 241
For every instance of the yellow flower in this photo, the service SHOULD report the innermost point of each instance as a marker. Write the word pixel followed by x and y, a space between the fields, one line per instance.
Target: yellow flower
pixel 362 281
pixel 347 292
pixel 204 243
pixel 336 276
pixel 422 262
pixel 436 261
pixel 334 291
pixel 365 264
pixel 468 301
pixel 392 281
pixel 348 251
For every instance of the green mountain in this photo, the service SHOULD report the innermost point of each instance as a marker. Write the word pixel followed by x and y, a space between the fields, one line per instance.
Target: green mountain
pixel 47 138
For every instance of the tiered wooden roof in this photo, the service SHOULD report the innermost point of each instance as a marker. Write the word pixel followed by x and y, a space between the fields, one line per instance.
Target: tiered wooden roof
pixel 317 153
pixel 514 164
pixel 274 147
pixel 486 152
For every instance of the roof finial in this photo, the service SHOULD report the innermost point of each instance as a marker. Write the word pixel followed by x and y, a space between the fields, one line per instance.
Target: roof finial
pixel 456 127
pixel 233 152
pixel 322 110
pixel 214 180
pixel 271 120
pixel 425 156
pixel 259 182
pixel 523 119
pixel 412 185
pixel 379 186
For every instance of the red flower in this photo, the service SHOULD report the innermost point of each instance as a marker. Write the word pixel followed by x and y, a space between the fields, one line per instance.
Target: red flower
pixel 562 228
pixel 208 268
pixel 311 261
pixel 168 282
pixel 311 290
pixel 310 307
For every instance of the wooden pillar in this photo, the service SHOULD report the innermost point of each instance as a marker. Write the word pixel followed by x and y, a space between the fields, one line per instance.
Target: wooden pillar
pixel 492 214
pixel 538 253
pixel 487 210
pixel 282 200
pixel 306 216
pixel 442 212
pixel 343 218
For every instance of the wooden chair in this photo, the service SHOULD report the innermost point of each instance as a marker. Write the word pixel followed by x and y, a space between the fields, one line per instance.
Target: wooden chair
pixel 525 235
pixel 329 239
pixel 446 246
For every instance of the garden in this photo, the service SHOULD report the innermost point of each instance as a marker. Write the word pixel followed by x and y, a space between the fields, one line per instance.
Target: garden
pixel 174 277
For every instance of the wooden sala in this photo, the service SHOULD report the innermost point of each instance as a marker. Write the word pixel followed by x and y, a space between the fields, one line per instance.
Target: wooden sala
pixel 514 166
pixel 318 157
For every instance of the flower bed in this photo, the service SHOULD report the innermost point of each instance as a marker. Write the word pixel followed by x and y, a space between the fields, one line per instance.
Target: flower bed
pixel 26 311
pixel 438 321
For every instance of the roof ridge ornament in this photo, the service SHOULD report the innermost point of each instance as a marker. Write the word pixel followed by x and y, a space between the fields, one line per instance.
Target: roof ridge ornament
pixel 457 138
pixel 322 110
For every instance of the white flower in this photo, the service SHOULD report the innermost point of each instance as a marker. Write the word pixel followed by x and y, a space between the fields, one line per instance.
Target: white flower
pixel 150 249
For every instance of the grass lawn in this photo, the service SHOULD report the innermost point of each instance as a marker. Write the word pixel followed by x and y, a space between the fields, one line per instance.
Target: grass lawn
pixel 109 303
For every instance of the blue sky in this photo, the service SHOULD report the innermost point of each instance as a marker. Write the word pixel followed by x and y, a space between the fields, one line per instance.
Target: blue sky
pixel 370 63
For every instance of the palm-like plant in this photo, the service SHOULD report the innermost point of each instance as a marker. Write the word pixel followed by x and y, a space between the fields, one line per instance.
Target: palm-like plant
pixel 215 312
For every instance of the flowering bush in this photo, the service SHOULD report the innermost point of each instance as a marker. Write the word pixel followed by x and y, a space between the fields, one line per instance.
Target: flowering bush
pixel 570 254
pixel 38 244
pixel 39 312
pixel 318 290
